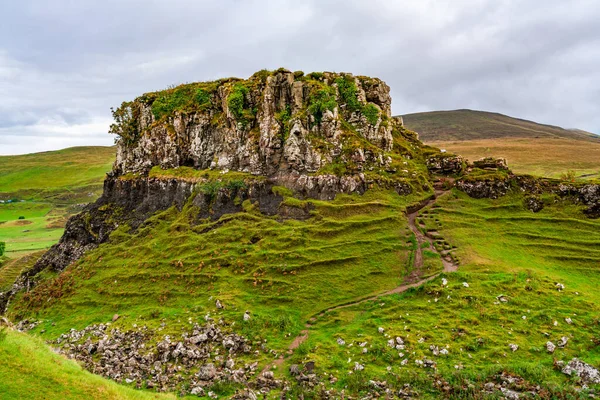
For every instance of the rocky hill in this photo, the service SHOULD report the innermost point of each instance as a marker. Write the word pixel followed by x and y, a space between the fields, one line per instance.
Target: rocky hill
pixel 285 236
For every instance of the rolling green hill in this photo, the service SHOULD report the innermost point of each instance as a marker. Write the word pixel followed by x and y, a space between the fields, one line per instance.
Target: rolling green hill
pixel 39 191
pixel 222 283
pixel 529 147
pixel 457 125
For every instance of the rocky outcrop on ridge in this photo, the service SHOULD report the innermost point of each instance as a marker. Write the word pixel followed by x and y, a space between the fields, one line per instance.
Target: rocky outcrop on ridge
pixel 270 124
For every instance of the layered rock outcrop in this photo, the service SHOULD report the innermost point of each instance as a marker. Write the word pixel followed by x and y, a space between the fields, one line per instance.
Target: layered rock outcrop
pixel 270 124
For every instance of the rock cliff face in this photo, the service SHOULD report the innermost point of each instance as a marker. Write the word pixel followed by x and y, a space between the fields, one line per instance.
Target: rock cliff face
pixel 271 124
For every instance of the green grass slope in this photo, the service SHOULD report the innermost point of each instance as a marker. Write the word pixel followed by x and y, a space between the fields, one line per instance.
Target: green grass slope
pixel 30 370
pixel 507 251
pixel 55 172
pixel 285 273
pixel 472 125
pixel 47 187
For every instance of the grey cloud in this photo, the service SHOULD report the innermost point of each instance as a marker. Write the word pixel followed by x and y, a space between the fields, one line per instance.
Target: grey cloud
pixel 64 64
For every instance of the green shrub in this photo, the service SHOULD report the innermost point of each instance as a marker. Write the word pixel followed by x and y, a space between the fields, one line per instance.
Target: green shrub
pixel 348 93
pixel 126 125
pixel 237 100
pixel 284 116
pixel 21 217
pixel 261 75
pixel 371 112
pixel 202 97
pixel 322 100
pixel 2 248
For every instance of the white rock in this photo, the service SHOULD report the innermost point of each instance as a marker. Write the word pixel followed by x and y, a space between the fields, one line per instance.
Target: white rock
pixel 465 284
pixel 341 341
pixel 568 320
pixel 550 347
pixel 513 347
pixel 563 342
pixel 380 329
pixel 358 367
pixel 444 282
pixel 586 372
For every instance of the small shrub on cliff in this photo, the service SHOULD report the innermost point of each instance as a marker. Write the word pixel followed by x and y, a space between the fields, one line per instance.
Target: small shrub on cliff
pixel 169 101
pixel 261 75
pixel 321 101
pixel 284 116
pixel 371 112
pixel 126 122
pixel 348 93
pixel 202 97
pixel 237 100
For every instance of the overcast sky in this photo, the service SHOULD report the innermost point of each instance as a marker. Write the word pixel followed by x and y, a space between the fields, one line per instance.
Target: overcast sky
pixel 63 64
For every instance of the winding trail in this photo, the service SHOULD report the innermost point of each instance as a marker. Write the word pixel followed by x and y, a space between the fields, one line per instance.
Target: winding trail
pixel 415 278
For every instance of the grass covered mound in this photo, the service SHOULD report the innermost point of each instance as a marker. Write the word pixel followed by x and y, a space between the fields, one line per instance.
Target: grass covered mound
pixel 282 271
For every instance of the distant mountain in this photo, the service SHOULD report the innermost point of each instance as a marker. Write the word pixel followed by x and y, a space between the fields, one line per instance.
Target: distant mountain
pixel 475 125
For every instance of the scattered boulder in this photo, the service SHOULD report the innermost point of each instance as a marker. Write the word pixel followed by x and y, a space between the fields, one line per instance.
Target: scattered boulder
pixel 534 203
pixel 586 372
pixel 550 347
pixel 445 164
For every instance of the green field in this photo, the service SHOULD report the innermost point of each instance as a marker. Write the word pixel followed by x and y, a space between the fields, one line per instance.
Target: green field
pixel 43 190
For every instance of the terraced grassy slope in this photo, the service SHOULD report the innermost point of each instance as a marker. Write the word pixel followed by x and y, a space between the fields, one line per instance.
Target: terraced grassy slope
pixel 287 272
pixel 511 260
pixel 29 370
pixel 44 189
pixel 283 271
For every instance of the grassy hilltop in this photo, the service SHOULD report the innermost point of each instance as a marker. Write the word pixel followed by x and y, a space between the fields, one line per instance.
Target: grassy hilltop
pixel 529 147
